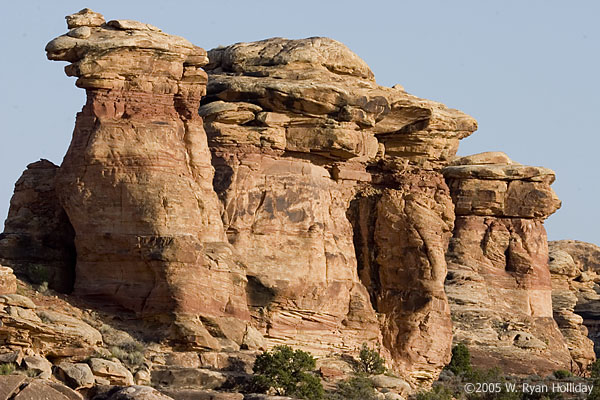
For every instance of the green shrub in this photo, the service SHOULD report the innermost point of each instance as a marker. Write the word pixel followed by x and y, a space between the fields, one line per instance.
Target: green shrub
pixel 356 388
pixel 288 372
pixel 38 273
pixel 370 361
pixel 594 372
pixel 562 374
pixel 7 368
pixel 436 393
pixel 460 364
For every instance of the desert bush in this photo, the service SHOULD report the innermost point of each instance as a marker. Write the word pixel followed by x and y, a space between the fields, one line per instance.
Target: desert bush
pixel 460 364
pixel 7 368
pixel 370 361
pixel 355 388
pixel 130 353
pixel 562 374
pixel 38 273
pixel 287 372
pixel 437 392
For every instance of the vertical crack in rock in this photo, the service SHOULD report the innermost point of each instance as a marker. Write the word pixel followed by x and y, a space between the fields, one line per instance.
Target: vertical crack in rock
pixel 307 117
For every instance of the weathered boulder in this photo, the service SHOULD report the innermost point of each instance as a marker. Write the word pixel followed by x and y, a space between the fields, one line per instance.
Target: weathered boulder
pixel 37 241
pixel 8 281
pixel 181 377
pixel 111 370
pixel 133 393
pixel 498 281
pixel 75 375
pixel 136 182
pixel 38 366
pixel 23 388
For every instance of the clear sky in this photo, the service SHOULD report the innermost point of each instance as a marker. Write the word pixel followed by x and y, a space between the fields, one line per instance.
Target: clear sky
pixel 526 70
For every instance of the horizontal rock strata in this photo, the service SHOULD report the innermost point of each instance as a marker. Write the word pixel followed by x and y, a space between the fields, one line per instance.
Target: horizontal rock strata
pixel 498 281
pixel 273 193
pixel 315 163
pixel 575 268
pixel 136 182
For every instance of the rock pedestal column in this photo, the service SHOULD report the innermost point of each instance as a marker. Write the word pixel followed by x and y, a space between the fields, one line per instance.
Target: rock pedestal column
pixel 136 182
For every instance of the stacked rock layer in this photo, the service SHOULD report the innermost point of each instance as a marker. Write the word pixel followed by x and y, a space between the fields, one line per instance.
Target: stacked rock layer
pixel 316 164
pixel 136 182
pixel 273 193
pixel 498 279
pixel 575 268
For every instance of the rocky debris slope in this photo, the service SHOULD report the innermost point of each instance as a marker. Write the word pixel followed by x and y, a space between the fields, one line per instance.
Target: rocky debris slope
pixel 136 182
pixel 316 163
pixel 498 281
pixel 575 268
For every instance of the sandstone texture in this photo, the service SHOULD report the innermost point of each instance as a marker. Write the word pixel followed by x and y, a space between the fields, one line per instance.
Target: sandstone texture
pixel 498 281
pixel 136 182
pixel 329 190
pixel 8 281
pixel 575 268
pixel 22 388
pixel 212 205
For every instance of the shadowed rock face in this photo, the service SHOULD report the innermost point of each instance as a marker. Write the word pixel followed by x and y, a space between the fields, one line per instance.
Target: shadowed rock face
pixel 37 241
pixel 498 279
pixel 401 235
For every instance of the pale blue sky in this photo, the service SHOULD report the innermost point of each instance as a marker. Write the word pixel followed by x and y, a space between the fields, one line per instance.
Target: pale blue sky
pixel 526 70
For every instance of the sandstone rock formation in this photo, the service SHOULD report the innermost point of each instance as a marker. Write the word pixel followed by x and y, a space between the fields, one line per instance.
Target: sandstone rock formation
pixel 282 196
pixel 316 163
pixel 498 281
pixel 575 268
pixel 136 182
pixel 569 283
pixel 37 241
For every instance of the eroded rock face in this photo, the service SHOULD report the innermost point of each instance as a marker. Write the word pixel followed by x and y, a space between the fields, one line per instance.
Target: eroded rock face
pixel 327 220
pixel 498 281
pixel 568 284
pixel 575 268
pixel 136 182
pixel 315 163
pixel 401 235
pixel 37 241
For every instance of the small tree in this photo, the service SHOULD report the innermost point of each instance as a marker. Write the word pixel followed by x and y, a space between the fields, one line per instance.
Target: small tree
pixel 287 372
pixel 370 361
pixel 460 364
